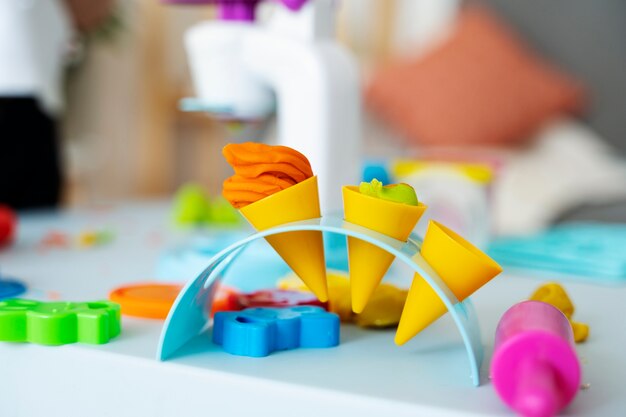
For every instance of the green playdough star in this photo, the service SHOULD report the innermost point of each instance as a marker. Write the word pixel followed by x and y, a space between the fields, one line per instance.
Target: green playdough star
pixel 399 193
pixel 58 323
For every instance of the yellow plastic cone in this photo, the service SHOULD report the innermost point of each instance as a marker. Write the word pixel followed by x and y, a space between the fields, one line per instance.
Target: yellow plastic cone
pixel 462 266
pixel 368 263
pixel 302 251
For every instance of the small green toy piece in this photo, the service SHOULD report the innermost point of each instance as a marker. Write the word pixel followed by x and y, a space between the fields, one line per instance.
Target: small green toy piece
pixel 58 323
pixel 399 193
pixel 104 237
pixel 193 206
pixel 223 213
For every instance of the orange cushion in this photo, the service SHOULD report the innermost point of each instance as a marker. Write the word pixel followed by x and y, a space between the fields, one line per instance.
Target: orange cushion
pixel 481 86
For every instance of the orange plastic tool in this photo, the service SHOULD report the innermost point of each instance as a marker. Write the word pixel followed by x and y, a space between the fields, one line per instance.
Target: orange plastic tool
pixel 146 300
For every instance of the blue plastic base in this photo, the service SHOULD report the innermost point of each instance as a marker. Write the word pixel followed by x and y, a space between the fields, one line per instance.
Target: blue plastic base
pixel 188 316
pixel 257 332
pixel 258 260
pixel 11 288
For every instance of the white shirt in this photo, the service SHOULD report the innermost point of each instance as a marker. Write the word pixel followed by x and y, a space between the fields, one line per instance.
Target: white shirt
pixel 34 36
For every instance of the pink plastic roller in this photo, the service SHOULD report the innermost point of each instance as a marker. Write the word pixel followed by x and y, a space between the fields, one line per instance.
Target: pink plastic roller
pixel 535 369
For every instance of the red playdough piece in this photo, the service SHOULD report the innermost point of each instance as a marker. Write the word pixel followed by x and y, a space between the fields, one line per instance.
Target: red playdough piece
pixel 279 298
pixel 8 224
pixel 55 239
pixel 229 299
pixel 226 299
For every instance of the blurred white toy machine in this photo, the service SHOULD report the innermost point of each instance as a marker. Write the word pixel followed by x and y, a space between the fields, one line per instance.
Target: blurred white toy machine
pixel 243 70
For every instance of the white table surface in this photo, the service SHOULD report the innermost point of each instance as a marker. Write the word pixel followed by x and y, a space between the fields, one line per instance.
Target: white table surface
pixel 366 375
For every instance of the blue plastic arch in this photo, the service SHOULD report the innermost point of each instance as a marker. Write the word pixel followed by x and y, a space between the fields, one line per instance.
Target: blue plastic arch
pixel 188 316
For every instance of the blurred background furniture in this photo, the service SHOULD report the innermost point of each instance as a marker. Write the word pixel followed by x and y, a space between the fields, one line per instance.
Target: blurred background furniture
pixel 126 137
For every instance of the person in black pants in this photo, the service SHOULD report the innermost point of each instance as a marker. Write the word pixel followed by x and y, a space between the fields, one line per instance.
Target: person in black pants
pixel 30 166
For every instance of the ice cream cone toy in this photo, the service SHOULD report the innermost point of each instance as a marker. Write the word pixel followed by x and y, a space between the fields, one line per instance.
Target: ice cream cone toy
pixel 392 210
pixel 274 185
pixel 462 266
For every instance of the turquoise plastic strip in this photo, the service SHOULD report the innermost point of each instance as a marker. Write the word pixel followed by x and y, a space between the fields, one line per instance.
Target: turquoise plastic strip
pixel 188 316
pixel 581 251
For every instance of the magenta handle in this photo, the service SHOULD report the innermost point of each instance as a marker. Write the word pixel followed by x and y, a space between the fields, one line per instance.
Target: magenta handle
pixel 238 10
pixel 294 5
pixel 534 368
pixel 538 393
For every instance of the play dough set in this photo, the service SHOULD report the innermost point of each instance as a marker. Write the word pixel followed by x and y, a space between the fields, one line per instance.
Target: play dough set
pixel 308 309
pixel 275 189
pixel 316 281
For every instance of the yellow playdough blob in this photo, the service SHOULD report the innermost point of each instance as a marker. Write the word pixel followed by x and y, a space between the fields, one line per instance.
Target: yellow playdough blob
pixel 383 310
pixel 555 295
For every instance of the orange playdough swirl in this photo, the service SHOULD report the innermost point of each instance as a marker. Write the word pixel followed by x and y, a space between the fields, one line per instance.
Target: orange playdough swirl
pixel 262 170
